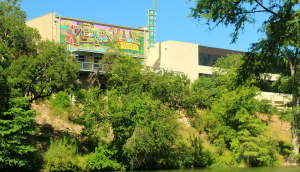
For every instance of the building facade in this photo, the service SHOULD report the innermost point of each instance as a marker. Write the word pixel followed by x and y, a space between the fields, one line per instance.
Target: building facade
pixel 191 59
pixel 194 61
pixel 88 41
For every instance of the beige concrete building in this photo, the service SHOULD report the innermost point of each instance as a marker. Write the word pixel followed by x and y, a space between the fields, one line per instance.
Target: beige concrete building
pixel 194 60
pixel 88 41
pixel 191 59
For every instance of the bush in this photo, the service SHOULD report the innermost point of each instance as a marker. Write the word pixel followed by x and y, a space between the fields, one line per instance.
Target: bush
pixel 61 100
pixel 101 159
pixel 192 154
pixel 62 155
pixel 61 103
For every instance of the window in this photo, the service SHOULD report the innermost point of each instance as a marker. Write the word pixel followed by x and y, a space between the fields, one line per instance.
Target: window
pixel 80 58
pixel 96 60
pixel 207 59
pixel 205 75
pixel 201 58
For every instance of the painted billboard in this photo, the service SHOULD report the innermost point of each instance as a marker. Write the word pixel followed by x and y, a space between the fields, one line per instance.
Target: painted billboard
pixel 89 36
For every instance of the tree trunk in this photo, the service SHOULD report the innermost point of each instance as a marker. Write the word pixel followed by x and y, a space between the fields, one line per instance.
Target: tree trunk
pixel 294 124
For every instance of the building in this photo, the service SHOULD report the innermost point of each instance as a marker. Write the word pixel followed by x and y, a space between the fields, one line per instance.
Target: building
pixel 195 60
pixel 89 41
pixel 191 59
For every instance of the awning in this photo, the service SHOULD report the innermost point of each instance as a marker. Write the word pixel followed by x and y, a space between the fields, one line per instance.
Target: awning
pixel 84 51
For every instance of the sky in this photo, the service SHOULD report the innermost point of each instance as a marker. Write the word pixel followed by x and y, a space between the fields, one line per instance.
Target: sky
pixel 172 23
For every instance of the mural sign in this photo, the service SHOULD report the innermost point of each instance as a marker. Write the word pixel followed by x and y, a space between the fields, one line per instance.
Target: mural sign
pixel 89 36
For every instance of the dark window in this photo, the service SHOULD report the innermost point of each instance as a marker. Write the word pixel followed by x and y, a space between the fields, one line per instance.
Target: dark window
pixel 213 59
pixel 201 58
pixel 205 75
pixel 208 60
pixel 97 59
pixel 80 58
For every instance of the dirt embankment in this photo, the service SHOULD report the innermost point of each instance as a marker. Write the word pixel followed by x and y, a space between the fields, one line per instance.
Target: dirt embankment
pixel 51 125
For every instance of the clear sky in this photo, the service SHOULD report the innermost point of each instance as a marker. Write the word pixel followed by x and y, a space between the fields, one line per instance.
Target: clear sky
pixel 172 21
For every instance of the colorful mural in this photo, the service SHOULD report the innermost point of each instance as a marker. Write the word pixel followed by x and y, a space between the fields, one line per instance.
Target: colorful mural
pixel 89 36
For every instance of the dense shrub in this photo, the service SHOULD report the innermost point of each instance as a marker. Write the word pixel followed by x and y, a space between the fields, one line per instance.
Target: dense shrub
pixel 61 100
pixel 102 159
pixel 62 155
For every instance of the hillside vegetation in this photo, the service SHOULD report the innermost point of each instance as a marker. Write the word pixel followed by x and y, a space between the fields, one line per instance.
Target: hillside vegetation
pixel 150 121
pixel 143 121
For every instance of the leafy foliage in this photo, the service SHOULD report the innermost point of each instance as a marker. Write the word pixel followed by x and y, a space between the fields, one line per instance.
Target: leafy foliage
pixel 46 71
pixel 62 155
pixel 61 100
pixel 205 91
pixel 101 159
pixel 278 52
pixel 29 69
pixel 16 121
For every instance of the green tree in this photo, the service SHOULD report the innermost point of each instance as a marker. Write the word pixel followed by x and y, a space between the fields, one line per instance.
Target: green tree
pixel 141 109
pixel 278 51
pixel 16 118
pixel 37 67
pixel 205 90
pixel 49 69
pixel 26 66
pixel 16 124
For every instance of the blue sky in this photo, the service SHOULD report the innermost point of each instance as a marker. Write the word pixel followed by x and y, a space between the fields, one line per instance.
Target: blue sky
pixel 172 21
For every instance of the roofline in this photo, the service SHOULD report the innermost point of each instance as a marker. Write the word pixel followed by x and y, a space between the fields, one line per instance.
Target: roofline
pixel 222 49
pixel 87 21
pixel 202 46
pixel 39 16
pixel 177 41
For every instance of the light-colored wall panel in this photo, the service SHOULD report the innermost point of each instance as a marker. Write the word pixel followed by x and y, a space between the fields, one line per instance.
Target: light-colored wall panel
pixel 45 25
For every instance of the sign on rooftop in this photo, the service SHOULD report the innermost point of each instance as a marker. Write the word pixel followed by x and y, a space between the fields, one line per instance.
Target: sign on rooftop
pixel 89 36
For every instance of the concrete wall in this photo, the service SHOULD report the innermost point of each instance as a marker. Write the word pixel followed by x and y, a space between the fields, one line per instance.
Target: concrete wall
pixel 175 56
pixel 45 25
pixel 184 57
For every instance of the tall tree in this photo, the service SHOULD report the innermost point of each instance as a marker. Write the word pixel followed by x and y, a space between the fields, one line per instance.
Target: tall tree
pixel 49 69
pixel 278 51
pixel 29 69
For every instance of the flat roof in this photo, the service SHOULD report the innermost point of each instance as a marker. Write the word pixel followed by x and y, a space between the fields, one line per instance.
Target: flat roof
pixel 221 48
pixel 201 46
pixel 87 21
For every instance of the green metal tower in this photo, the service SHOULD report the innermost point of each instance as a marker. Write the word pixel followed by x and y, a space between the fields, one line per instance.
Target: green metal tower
pixel 151 15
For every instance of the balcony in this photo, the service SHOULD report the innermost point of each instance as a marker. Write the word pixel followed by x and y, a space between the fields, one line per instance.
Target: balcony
pixel 91 67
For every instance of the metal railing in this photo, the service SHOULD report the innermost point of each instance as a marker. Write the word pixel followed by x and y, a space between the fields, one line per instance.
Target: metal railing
pixel 91 66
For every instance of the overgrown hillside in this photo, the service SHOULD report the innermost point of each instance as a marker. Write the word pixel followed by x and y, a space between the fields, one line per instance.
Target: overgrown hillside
pixel 57 124
pixel 150 121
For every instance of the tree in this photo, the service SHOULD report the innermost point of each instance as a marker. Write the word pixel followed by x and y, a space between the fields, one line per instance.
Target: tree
pixel 37 67
pixel 16 124
pixel 49 69
pixel 278 51
pixel 28 67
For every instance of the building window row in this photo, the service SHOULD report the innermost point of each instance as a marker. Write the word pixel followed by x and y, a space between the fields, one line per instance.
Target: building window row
pixel 208 59
pixel 205 75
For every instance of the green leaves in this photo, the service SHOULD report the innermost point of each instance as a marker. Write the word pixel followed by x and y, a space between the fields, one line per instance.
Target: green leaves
pixel 62 155
pixel 40 74
pixel 102 159
pixel 16 124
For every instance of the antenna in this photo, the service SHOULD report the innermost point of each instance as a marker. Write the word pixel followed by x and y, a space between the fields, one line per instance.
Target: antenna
pixel 151 15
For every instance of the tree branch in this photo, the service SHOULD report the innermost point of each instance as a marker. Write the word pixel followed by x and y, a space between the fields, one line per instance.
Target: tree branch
pixel 265 7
